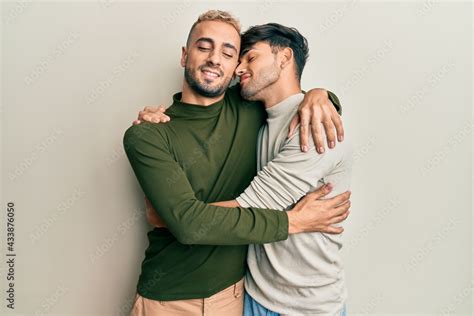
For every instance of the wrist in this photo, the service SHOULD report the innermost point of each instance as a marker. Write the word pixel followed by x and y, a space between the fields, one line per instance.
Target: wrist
pixel 292 225
pixel 320 92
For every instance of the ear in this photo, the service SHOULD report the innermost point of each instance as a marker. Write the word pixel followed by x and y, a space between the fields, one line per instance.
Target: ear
pixel 286 55
pixel 184 54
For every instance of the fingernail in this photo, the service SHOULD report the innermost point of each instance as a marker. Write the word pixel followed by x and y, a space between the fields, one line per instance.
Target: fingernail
pixel 331 144
pixel 304 148
pixel 340 138
pixel 321 150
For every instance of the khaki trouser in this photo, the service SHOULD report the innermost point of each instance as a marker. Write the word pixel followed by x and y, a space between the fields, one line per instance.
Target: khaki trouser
pixel 228 302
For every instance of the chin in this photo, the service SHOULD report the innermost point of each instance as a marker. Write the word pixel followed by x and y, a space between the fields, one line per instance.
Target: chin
pixel 252 97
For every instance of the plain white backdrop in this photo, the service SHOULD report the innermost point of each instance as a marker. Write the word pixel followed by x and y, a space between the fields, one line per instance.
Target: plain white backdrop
pixel 75 74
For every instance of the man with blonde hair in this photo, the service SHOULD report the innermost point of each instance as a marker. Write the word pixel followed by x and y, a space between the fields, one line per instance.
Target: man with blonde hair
pixel 206 153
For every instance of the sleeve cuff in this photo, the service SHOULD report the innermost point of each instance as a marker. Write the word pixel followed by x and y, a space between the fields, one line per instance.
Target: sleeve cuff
pixel 335 101
pixel 282 232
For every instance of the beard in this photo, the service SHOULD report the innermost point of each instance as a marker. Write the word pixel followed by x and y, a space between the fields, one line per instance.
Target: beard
pixel 205 88
pixel 266 77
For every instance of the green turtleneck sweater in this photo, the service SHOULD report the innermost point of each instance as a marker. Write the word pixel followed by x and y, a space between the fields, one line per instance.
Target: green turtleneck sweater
pixel 204 154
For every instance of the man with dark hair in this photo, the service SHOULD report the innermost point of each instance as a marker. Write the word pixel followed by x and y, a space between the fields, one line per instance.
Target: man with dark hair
pixel 278 36
pixel 207 153
pixel 302 274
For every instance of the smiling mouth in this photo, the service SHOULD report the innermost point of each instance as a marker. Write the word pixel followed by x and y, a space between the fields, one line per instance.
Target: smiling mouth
pixel 210 74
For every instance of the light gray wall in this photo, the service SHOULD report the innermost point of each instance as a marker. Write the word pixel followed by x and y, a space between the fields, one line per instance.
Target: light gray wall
pixel 75 74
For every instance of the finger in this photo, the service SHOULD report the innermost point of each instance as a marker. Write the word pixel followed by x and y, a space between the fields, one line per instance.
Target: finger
pixel 162 118
pixel 340 218
pixel 317 134
pixel 330 133
pixel 333 230
pixel 304 119
pixel 337 121
pixel 151 118
pixel 161 109
pixel 136 122
pixel 338 211
pixel 140 115
pixel 320 192
pixel 339 199
pixel 294 122
pixel 151 109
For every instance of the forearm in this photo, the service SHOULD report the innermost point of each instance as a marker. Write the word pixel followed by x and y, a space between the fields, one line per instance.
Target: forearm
pixel 206 224
pixel 191 221
pixel 231 203
pixel 283 181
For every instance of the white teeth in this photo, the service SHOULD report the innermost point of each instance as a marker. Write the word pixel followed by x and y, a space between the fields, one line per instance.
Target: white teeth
pixel 210 73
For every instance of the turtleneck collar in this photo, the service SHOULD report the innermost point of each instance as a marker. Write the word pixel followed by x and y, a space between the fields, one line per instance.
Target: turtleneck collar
pixel 188 110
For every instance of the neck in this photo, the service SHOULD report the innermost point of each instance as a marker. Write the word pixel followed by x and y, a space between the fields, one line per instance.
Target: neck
pixel 279 91
pixel 190 96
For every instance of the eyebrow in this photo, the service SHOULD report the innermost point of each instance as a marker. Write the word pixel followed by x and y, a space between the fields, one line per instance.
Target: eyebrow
pixel 211 41
pixel 245 51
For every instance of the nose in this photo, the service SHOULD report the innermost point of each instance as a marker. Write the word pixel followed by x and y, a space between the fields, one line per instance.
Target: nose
pixel 240 70
pixel 214 58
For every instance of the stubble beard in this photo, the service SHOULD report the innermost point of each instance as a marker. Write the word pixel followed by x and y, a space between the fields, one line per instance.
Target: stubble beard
pixel 204 88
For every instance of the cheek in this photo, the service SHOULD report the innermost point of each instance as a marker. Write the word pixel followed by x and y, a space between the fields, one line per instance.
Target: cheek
pixel 196 59
pixel 229 68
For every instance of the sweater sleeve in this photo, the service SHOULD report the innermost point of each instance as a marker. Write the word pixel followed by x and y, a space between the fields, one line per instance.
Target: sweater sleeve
pixel 192 221
pixel 290 175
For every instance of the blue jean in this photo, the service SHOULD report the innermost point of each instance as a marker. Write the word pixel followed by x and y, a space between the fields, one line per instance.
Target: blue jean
pixel 253 308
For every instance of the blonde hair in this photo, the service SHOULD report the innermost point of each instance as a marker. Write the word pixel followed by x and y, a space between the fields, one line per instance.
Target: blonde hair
pixel 216 15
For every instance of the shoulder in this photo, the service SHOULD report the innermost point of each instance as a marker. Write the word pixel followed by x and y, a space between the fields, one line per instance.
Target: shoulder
pixel 144 134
